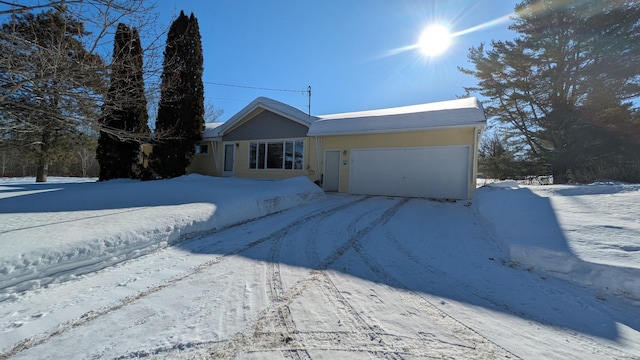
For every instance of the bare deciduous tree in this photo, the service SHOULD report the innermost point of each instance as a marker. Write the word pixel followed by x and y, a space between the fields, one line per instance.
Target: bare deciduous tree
pixel 54 66
pixel 211 113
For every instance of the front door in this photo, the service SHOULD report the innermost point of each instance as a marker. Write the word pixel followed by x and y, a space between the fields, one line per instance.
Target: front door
pixel 331 170
pixel 229 155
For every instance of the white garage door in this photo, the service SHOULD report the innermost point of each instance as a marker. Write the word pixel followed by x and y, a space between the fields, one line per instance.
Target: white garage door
pixel 435 172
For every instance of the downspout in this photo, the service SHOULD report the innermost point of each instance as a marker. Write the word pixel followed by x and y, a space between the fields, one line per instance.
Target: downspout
pixel 474 157
pixel 318 159
pixel 214 146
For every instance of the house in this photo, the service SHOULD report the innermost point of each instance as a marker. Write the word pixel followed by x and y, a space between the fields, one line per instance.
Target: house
pixel 427 150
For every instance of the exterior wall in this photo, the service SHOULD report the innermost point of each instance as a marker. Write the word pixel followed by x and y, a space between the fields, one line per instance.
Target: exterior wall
pixel 143 155
pixel 261 125
pixel 314 150
pixel 266 125
pixel 445 137
pixel 205 164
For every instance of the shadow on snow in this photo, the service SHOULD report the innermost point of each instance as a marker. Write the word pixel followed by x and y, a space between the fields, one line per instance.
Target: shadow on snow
pixel 61 197
pixel 428 247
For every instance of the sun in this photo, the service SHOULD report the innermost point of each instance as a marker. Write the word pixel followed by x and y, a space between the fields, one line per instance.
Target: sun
pixel 434 40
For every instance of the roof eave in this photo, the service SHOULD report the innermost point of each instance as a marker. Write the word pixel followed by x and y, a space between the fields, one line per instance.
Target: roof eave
pixel 386 131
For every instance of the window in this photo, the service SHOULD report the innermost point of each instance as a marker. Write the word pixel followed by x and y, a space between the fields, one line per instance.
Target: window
pixel 253 155
pixel 288 155
pixel 202 149
pixel 274 155
pixel 299 152
pixel 284 155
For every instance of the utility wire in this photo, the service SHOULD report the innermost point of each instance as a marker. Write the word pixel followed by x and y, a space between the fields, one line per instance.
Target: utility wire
pixel 255 87
pixel 297 106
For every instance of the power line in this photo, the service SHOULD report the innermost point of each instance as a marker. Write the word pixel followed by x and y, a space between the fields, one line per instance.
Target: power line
pixel 307 91
pixel 297 106
pixel 255 87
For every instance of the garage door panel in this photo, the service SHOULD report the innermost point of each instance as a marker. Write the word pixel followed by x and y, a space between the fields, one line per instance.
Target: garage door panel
pixel 437 172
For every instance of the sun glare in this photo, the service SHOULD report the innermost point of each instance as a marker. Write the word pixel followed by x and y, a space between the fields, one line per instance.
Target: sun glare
pixel 437 38
pixel 434 40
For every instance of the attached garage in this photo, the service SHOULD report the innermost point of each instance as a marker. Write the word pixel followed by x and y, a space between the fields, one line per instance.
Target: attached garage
pixel 426 150
pixel 431 171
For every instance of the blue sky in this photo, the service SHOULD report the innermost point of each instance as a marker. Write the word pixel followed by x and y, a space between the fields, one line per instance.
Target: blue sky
pixel 342 49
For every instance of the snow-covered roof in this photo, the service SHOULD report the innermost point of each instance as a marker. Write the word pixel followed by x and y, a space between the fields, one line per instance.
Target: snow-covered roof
pixel 465 112
pixel 209 129
pixel 274 106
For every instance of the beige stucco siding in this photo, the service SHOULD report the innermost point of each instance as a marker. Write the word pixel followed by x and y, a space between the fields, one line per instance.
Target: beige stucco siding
pixel 204 164
pixel 444 137
pixel 314 150
pixel 259 125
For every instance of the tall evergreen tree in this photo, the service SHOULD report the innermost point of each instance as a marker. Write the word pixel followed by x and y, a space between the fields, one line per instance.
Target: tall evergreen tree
pixel 124 121
pixel 180 120
pixel 565 84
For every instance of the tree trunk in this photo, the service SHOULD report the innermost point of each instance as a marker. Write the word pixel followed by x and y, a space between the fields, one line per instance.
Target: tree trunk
pixel 559 170
pixel 84 160
pixel 43 158
pixel 43 168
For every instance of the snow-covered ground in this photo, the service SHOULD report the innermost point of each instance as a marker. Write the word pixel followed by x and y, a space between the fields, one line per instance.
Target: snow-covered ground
pixel 220 268
pixel 585 234
pixel 56 231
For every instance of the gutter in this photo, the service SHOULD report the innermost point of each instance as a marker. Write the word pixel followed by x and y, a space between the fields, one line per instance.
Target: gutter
pixel 214 146
pixel 386 131
pixel 320 175
pixel 477 133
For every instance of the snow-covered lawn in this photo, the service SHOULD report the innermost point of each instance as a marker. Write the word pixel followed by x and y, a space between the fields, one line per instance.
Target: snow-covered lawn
pixel 57 231
pixel 126 269
pixel 585 234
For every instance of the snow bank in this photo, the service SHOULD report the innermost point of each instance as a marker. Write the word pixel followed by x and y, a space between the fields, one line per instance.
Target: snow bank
pixel 56 231
pixel 527 227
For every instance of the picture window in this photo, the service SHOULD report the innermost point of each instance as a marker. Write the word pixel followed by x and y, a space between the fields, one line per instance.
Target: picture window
pixel 282 155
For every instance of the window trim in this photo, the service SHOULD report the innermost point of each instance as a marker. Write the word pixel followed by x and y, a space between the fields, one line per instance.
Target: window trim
pixel 198 150
pixel 254 155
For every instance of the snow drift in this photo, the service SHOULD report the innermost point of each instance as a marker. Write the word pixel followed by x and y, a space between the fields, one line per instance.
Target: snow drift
pixel 65 230
pixel 541 228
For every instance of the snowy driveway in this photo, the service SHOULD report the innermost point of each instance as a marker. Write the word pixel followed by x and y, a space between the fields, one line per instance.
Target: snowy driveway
pixel 342 277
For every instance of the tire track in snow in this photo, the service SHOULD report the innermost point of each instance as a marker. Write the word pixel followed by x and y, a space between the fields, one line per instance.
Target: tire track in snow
pixel 365 333
pixel 256 339
pixel 482 346
pixel 400 345
pixel 346 313
pixel 95 314
pixel 283 321
pixel 349 314
pixel 383 219
pixel 464 332
pixel 364 338
pixel 461 330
